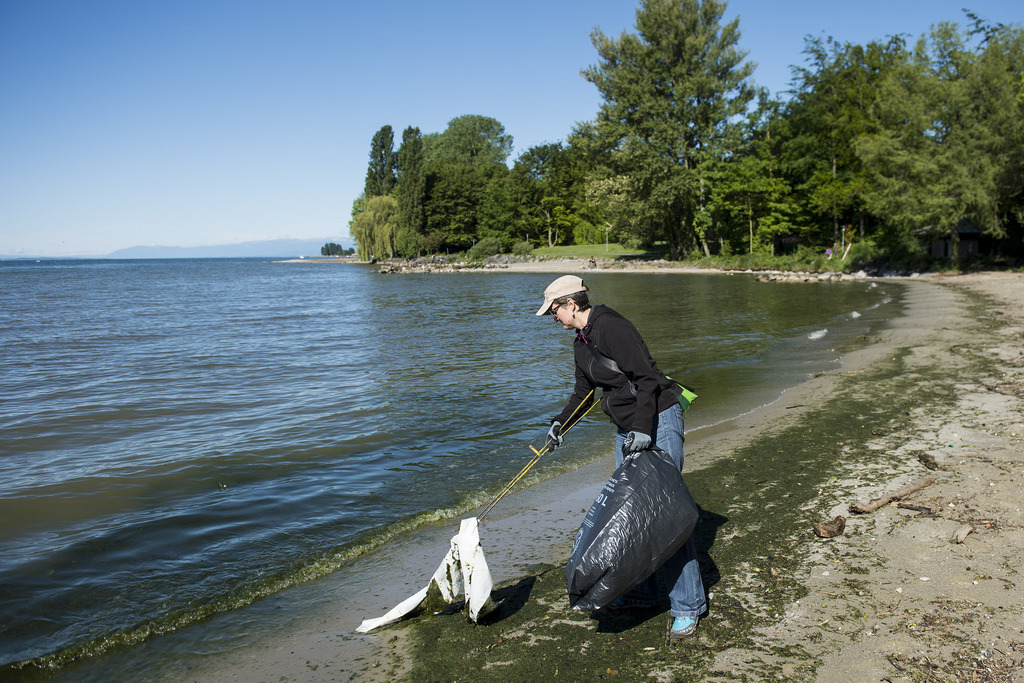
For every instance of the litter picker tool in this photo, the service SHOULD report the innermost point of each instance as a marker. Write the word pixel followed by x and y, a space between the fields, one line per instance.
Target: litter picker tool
pixel 537 455
pixel 464 568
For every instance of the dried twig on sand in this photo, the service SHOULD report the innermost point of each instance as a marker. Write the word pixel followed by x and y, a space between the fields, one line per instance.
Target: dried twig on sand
pixel 863 508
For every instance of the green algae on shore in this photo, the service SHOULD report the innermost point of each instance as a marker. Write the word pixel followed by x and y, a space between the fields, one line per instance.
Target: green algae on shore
pixel 757 509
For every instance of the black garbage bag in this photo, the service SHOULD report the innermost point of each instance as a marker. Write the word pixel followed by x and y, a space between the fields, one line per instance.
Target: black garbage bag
pixel 642 516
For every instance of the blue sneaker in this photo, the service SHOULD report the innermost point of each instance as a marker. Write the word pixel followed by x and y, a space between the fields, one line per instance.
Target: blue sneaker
pixel 683 627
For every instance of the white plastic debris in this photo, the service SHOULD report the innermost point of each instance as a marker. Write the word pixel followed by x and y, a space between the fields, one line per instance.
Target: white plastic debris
pixel 395 613
pixel 476 576
pixel 463 570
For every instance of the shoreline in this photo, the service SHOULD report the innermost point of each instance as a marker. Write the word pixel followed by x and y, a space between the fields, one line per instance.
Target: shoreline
pixel 886 623
pixel 581 266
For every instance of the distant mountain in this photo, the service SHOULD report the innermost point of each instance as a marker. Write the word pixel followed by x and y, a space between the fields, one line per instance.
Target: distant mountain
pixel 261 249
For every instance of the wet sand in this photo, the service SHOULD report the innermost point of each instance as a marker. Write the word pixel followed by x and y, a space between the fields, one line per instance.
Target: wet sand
pixel 892 598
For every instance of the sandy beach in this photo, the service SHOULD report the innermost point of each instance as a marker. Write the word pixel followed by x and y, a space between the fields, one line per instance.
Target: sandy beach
pixel 925 587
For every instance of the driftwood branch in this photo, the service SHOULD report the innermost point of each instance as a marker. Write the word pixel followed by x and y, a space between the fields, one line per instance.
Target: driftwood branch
pixel 862 508
pixel 916 508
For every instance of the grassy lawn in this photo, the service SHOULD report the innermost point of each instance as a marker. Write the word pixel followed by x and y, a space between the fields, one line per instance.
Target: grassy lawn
pixel 588 250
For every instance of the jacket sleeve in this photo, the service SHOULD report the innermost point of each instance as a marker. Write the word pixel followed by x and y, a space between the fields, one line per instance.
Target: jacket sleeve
pixel 627 348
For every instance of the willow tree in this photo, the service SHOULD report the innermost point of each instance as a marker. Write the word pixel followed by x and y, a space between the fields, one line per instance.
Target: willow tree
pixel 375 228
pixel 672 92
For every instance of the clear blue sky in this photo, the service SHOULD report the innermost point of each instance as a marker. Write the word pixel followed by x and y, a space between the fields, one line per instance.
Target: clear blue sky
pixel 204 122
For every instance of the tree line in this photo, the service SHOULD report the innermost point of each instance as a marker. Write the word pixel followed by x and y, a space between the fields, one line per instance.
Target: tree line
pixel 335 249
pixel 879 151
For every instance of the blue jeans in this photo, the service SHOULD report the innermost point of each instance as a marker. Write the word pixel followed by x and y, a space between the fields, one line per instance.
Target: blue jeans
pixel 681 571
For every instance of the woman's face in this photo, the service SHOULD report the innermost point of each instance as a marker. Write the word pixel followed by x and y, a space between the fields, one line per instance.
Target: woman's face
pixel 564 314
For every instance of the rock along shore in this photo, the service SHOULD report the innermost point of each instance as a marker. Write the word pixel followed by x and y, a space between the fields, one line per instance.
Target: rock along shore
pixel 444 264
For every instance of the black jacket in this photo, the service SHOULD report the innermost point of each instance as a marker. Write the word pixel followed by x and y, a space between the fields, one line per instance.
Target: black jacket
pixel 631 398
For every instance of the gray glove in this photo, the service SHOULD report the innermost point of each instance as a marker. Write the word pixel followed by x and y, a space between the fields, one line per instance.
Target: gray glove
pixel 553 438
pixel 635 442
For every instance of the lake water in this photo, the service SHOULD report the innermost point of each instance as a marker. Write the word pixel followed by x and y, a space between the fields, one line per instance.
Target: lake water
pixel 184 438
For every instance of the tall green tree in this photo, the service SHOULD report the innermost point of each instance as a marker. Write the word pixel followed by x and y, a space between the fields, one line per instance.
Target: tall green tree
pixel 748 193
pixel 471 140
pixel 750 199
pixel 454 195
pixel 997 87
pixel 381 175
pixel 550 181
pixel 943 141
pixel 500 212
pixel 671 93
pixel 411 193
pixel 830 109
pixel 467 195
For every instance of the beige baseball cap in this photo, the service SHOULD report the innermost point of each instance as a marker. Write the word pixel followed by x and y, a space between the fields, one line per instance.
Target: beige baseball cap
pixel 563 286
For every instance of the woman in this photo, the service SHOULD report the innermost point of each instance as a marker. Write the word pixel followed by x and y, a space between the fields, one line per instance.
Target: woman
pixel 643 404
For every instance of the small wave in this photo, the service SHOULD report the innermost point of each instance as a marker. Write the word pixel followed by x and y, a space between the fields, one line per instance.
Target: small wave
pixel 855 315
pixel 817 335
pixel 254 590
